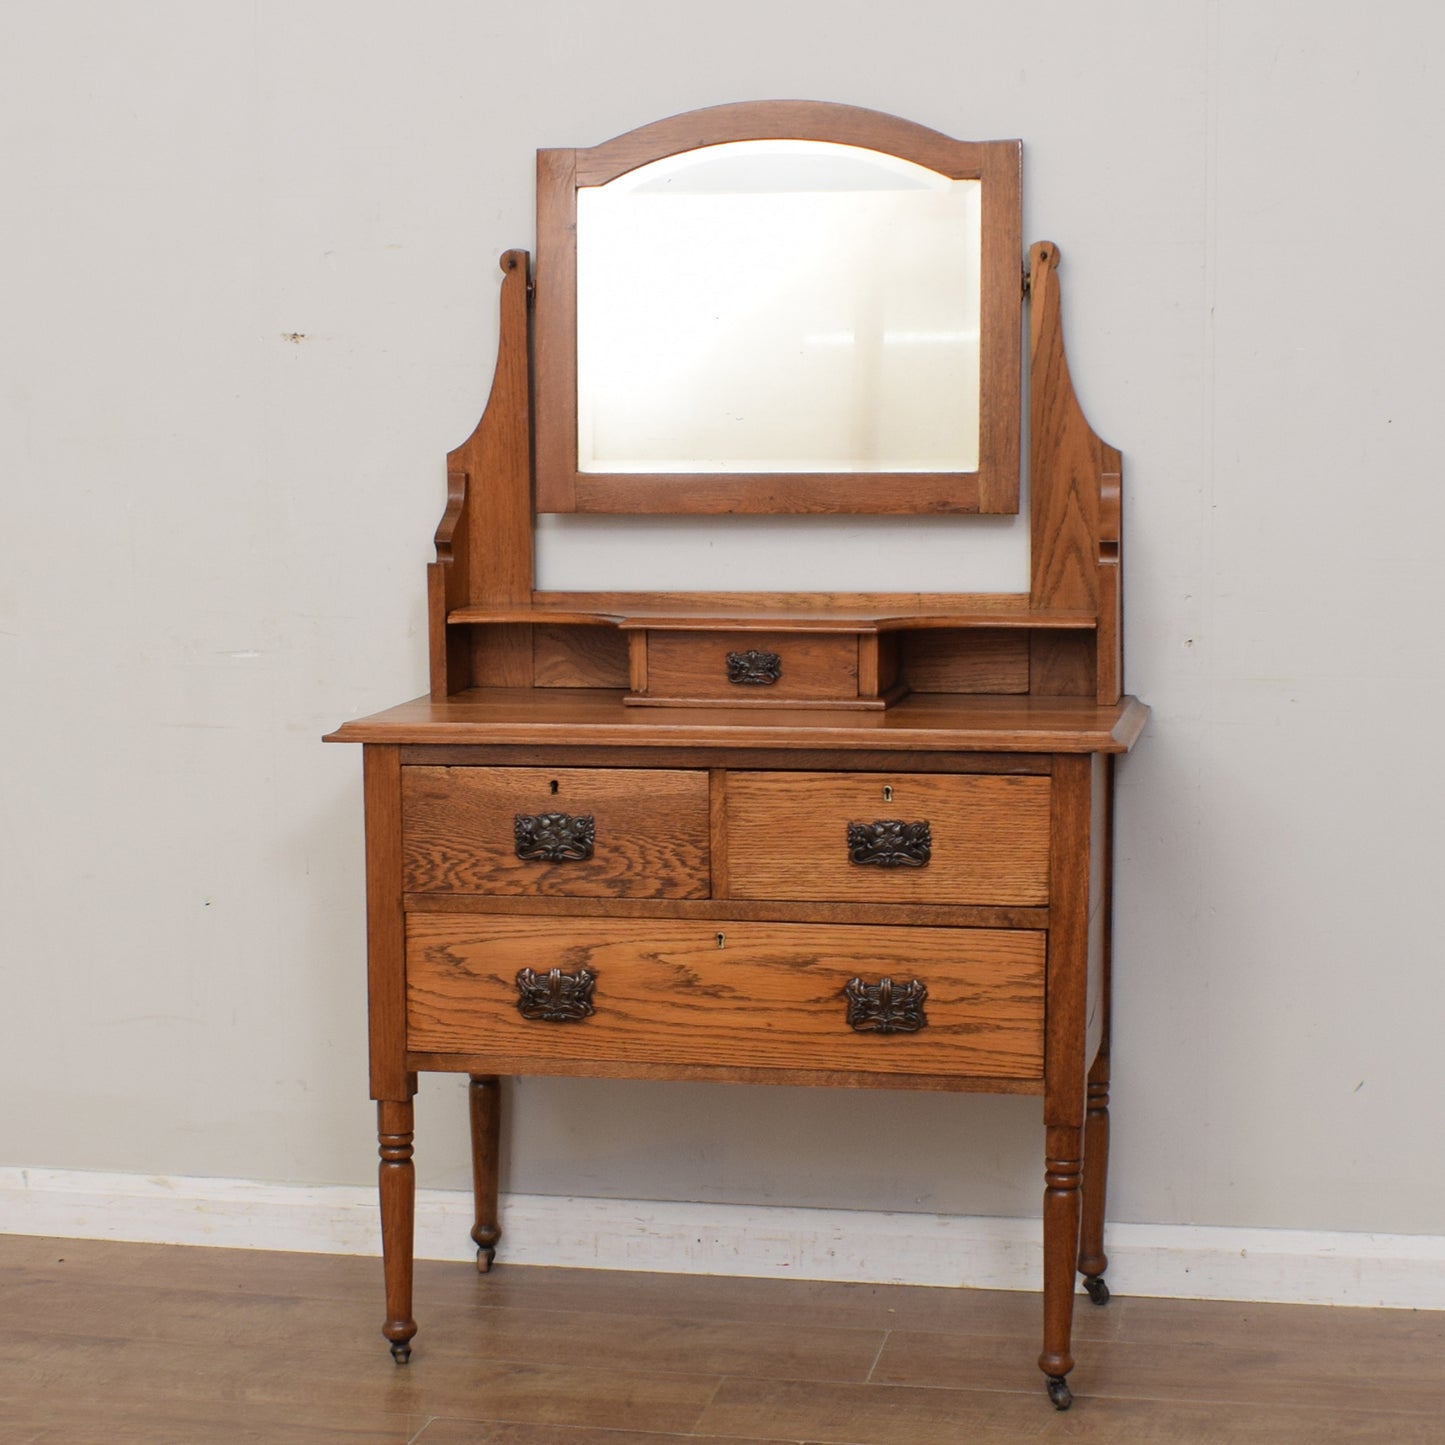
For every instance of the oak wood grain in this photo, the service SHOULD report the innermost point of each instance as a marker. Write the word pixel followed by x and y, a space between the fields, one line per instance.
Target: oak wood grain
pixel 1005 748
pixel 637 662
pixel 953 660
pixel 484 540
pixel 1062 664
pixel 484 1110
pixel 845 760
pixel 717 823
pixel 385 944
pixel 772 1074
pixel 396 1178
pixel 1072 865
pixel 1074 872
pixel 1110 574
pixel 564 656
pixel 878 665
pixel 501 655
pixel 745 994
pixel 785 120
pixel 651 831
pixel 554 332
pixel 814 667
pixel 779 493
pixel 758 910
pixel 809 611
pixel 921 721
pixel 448 587
pixel 992 488
pixel 1074 485
pixel 1093 1261
pixel 1065 459
pixel 788 837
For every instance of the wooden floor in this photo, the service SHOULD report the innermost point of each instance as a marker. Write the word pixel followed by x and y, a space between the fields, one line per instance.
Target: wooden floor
pixel 121 1343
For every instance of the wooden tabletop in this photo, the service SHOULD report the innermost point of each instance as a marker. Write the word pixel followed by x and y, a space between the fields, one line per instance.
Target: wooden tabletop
pixel 920 721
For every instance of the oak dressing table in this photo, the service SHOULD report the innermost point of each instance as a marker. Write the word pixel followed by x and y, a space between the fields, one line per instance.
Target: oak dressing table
pixel 848 839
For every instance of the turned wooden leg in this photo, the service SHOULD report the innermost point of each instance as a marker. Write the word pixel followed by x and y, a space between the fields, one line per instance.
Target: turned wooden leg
pixel 1092 1259
pixel 486 1102
pixel 397 1179
pixel 1062 1170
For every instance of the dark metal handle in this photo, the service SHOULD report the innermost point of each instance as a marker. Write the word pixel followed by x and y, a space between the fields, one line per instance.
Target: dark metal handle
pixel 890 843
pixel 554 996
pixel 886 1007
pixel 554 837
pixel 761 669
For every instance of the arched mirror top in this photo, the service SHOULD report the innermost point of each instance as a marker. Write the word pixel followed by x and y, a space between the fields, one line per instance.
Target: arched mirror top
pixel 779 307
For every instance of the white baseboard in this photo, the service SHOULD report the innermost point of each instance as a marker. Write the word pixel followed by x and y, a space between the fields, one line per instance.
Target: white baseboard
pixel 1182 1261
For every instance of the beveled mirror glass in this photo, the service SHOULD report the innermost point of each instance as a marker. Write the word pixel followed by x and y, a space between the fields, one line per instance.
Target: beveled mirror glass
pixel 773 308
pixel 807 307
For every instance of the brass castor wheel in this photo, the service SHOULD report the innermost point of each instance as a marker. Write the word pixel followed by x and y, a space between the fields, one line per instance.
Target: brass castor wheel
pixel 1098 1290
pixel 485 1255
pixel 1059 1392
pixel 401 1351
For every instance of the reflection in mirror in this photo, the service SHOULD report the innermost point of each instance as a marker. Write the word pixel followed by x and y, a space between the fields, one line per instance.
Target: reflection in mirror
pixel 778 306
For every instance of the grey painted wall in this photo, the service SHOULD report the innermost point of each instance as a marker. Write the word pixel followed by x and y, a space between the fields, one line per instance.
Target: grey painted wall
pixel 251 285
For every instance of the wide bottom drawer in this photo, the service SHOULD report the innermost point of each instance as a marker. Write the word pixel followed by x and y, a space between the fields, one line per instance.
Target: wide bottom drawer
pixel 780 995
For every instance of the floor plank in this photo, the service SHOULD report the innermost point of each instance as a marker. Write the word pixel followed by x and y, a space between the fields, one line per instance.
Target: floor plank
pixel 679 1344
pixel 904 1415
pixel 64 1422
pixel 809 1302
pixel 115 1343
pixel 1346 1372
pixel 519 1335
pixel 480 1432
pixel 295 1373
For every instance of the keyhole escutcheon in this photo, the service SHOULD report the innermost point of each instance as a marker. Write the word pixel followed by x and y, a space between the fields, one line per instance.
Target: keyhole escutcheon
pixel 888 792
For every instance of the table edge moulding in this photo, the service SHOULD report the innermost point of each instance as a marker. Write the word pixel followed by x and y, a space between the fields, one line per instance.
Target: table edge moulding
pixel 844 839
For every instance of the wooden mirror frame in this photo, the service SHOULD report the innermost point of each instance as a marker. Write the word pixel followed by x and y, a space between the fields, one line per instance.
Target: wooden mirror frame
pixel 993 488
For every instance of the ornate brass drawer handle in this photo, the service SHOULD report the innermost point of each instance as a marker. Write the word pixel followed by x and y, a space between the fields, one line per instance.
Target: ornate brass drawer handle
pixel 759 668
pixel 890 843
pixel 554 837
pixel 886 1007
pixel 554 996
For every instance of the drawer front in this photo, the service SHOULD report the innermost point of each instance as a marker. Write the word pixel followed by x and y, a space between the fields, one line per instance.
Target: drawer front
pixel 752 667
pixel 664 991
pixel 986 838
pixel 527 830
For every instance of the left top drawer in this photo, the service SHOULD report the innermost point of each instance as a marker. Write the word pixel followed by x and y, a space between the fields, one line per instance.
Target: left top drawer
pixel 569 832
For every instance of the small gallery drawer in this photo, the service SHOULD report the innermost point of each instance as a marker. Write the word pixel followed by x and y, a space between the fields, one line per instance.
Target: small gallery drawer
pixel 750 668
pixel 569 832
pixel 962 1002
pixel 895 838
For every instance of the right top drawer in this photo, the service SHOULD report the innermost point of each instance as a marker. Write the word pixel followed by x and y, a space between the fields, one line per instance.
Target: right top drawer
pixel 889 837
